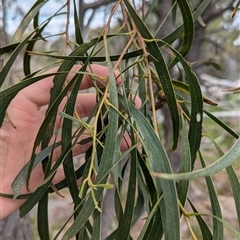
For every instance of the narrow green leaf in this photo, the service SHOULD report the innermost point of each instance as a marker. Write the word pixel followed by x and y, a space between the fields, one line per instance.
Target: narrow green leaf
pixel 140 206
pixel 34 198
pixel 143 196
pixel 67 127
pixel 186 166
pixel 22 196
pixel 78 34
pixel 226 160
pixel 156 231
pixel 174 12
pixel 215 65
pixel 31 44
pixel 112 236
pixel 148 179
pixel 206 233
pixel 57 94
pixel 20 179
pixel 185 88
pixel 56 237
pixel 221 124
pixel 62 184
pixel 67 133
pixel 8 64
pixel 235 9
pixel 188 29
pixel 105 165
pixel 235 185
pixel 232 230
pixel 215 206
pixel 118 205
pixel 195 129
pixel 127 218
pixel 159 163
pixel 27 19
pixel 234 181
pixel 42 218
pixel 129 55
pixel 177 32
pixel 149 219
pixel 151 190
pixel 29 48
pixel 48 123
pixel 150 9
pixel 68 164
pixel 161 69
pixel 112 125
pixel 36 18
pixel 41 191
pixel 96 233
pixel 8 48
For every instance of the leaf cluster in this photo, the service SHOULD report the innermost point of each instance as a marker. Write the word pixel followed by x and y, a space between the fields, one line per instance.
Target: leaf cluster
pixel 143 173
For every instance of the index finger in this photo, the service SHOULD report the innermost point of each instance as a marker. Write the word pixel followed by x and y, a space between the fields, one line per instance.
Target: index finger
pixel 39 93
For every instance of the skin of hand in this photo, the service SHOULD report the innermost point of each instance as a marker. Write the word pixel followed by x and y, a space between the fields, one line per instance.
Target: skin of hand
pixel 27 112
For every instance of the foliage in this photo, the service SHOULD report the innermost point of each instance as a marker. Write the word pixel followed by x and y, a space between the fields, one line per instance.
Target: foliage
pixel 144 168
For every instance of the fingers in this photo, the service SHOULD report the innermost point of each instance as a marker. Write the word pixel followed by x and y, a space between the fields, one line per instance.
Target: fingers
pixel 137 101
pixel 39 93
pixel 85 103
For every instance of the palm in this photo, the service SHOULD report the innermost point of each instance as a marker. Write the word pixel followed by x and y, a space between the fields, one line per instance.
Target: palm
pixel 27 119
pixel 17 142
pixel 27 112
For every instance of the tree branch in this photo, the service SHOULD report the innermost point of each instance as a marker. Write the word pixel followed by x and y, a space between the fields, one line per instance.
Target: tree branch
pixel 208 17
pixel 96 4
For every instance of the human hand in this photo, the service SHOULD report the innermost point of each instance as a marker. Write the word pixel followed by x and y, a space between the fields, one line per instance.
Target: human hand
pixel 27 111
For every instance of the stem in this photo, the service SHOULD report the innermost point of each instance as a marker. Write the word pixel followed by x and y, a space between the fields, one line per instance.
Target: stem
pixel 190 229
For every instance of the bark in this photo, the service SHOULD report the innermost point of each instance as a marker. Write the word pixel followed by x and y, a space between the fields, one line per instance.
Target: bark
pixel 94 6
pixel 197 52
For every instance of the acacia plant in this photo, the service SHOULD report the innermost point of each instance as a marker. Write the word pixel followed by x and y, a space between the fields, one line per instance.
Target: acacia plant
pixel 142 177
